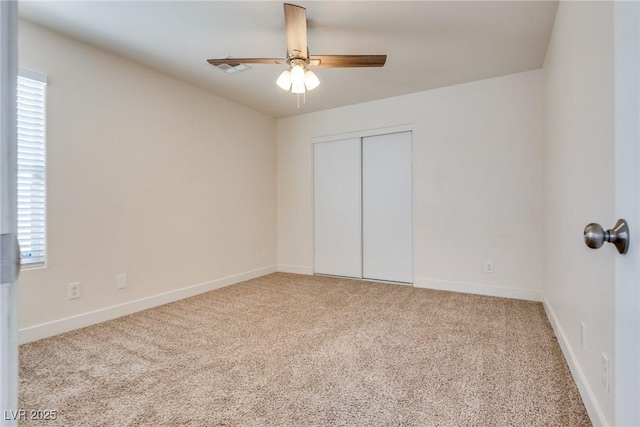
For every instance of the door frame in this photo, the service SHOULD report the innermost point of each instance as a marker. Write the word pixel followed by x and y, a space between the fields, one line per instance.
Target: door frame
pixel 9 266
pixel 627 205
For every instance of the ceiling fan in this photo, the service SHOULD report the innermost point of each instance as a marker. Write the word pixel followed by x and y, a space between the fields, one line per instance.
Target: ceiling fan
pixel 298 78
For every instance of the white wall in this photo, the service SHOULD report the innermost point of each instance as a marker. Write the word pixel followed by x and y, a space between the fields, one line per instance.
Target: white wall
pixel 147 176
pixel 579 189
pixel 477 177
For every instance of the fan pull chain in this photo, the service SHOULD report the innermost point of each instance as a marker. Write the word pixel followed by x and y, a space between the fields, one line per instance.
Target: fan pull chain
pixel 304 99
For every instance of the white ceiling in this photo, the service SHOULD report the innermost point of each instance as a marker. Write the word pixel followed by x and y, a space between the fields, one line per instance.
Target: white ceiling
pixel 429 44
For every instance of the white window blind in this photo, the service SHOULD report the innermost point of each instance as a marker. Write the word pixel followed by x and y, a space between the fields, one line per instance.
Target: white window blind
pixel 31 171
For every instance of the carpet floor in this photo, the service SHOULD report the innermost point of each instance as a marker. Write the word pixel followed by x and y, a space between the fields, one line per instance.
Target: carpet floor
pixel 296 350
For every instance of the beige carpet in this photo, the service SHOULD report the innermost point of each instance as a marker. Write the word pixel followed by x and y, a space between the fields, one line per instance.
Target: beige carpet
pixel 301 350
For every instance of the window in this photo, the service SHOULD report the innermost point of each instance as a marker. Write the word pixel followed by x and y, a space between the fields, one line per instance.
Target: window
pixel 31 168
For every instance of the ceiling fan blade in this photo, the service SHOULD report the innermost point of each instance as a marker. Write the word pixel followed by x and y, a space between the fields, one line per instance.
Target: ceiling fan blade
pixel 295 19
pixel 236 61
pixel 343 61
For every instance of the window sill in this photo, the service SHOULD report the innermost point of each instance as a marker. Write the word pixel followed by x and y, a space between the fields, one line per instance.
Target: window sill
pixel 33 266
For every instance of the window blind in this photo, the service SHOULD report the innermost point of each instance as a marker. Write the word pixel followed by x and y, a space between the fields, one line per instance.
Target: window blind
pixel 31 171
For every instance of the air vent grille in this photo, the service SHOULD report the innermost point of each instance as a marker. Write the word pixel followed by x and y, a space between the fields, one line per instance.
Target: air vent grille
pixel 233 67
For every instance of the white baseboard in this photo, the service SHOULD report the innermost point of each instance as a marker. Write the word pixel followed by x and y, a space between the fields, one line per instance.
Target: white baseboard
pixel 590 402
pixel 478 289
pixel 297 269
pixel 56 327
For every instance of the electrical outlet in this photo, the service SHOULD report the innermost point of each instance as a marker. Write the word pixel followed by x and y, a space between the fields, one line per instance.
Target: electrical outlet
pixel 264 253
pixel 488 267
pixel 121 281
pixel 583 337
pixel 74 290
pixel 606 367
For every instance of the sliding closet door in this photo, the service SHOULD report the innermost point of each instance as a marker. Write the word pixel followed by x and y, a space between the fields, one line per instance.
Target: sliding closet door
pixel 337 209
pixel 386 208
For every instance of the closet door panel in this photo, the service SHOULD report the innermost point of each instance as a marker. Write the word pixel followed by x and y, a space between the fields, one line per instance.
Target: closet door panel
pixel 337 208
pixel 386 208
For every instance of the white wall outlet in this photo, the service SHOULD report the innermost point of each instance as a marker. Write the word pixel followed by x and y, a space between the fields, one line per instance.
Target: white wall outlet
pixel 74 290
pixel 263 254
pixel 583 337
pixel 606 367
pixel 488 267
pixel 121 281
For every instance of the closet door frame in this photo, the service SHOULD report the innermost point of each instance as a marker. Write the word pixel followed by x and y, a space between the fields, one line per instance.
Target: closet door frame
pixel 409 127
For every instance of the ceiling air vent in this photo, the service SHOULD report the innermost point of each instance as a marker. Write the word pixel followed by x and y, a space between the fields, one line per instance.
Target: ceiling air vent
pixel 233 67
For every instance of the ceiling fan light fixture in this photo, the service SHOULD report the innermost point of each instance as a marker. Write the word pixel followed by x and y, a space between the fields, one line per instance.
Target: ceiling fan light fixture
pixel 297 74
pixel 284 81
pixel 311 81
pixel 298 79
